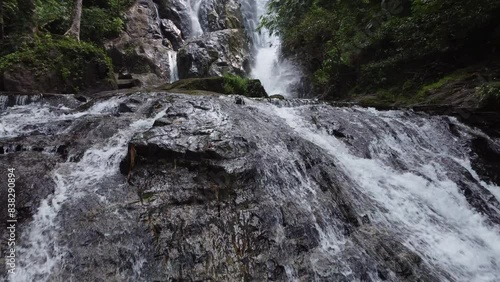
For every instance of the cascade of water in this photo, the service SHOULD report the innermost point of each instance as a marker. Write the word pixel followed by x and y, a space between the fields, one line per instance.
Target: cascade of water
pixel 172 62
pixel 3 101
pixel 41 251
pixel 194 9
pixel 414 174
pixel 278 75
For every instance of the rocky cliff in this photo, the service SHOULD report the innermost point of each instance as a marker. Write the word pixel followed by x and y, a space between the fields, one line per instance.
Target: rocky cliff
pixel 210 39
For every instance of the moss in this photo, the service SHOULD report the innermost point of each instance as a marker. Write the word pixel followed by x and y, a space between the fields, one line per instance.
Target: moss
pixel 277 96
pixel 229 84
pixel 72 62
pixel 426 89
pixel 489 96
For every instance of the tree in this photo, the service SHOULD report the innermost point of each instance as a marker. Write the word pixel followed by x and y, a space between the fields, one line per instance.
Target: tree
pixel 74 30
pixel 27 10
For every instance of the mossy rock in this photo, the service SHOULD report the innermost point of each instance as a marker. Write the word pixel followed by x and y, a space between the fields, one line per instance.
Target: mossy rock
pixel 277 96
pixel 222 85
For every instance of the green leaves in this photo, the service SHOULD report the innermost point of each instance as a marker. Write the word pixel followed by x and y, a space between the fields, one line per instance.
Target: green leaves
pixel 369 42
pixel 48 11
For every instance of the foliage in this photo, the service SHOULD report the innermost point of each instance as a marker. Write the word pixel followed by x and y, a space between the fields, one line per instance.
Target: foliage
pixel 235 84
pixel 369 44
pixel 31 26
pixel 67 58
pixel 97 24
pixel 100 19
pixel 489 95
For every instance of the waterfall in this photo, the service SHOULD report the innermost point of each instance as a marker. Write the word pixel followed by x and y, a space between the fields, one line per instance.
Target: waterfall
pixel 194 9
pixel 278 75
pixel 172 63
pixel 325 193
pixel 42 250
pixel 414 170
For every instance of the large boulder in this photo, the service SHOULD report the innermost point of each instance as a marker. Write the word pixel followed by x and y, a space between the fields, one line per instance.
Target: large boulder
pixel 215 53
pixel 222 85
pixel 172 33
pixel 144 48
pixel 178 11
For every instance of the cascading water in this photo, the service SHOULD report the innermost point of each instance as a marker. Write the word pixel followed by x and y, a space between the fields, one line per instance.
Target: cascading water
pixel 43 250
pixel 170 187
pixel 277 75
pixel 317 190
pixel 194 10
pixel 415 172
pixel 172 62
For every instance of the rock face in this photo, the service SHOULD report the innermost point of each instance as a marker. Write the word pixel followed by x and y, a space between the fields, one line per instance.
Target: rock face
pixel 156 29
pixel 214 54
pixel 178 11
pixel 221 14
pixel 143 49
pixel 218 188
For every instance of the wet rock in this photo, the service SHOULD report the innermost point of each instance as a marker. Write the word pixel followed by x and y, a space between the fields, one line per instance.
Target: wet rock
pixel 178 12
pixel 214 54
pixel 128 83
pixel 141 50
pixel 33 180
pixel 218 15
pixel 124 108
pixel 392 258
pixel 255 89
pixel 486 159
pixel 215 199
pixel 172 33
pixel 239 101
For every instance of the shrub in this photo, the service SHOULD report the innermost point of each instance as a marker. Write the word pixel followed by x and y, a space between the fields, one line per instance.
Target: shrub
pixel 489 96
pixel 235 84
pixel 73 63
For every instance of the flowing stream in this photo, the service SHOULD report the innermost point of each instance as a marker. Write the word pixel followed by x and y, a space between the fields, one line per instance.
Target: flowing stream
pixel 168 187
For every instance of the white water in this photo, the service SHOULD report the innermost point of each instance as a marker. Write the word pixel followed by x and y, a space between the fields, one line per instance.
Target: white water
pixel 277 75
pixel 194 10
pixel 421 203
pixel 41 252
pixel 172 63
pixel 21 120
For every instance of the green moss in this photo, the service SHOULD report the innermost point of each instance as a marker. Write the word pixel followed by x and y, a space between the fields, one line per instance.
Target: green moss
pixel 229 84
pixel 426 89
pixel 67 58
pixel 277 96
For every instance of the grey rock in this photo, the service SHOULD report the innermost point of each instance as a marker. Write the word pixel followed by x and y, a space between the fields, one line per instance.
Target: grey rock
pixel 221 14
pixel 172 33
pixel 214 54
pixel 142 49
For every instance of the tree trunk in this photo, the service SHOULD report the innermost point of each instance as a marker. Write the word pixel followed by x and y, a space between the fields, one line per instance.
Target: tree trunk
pixel 74 30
